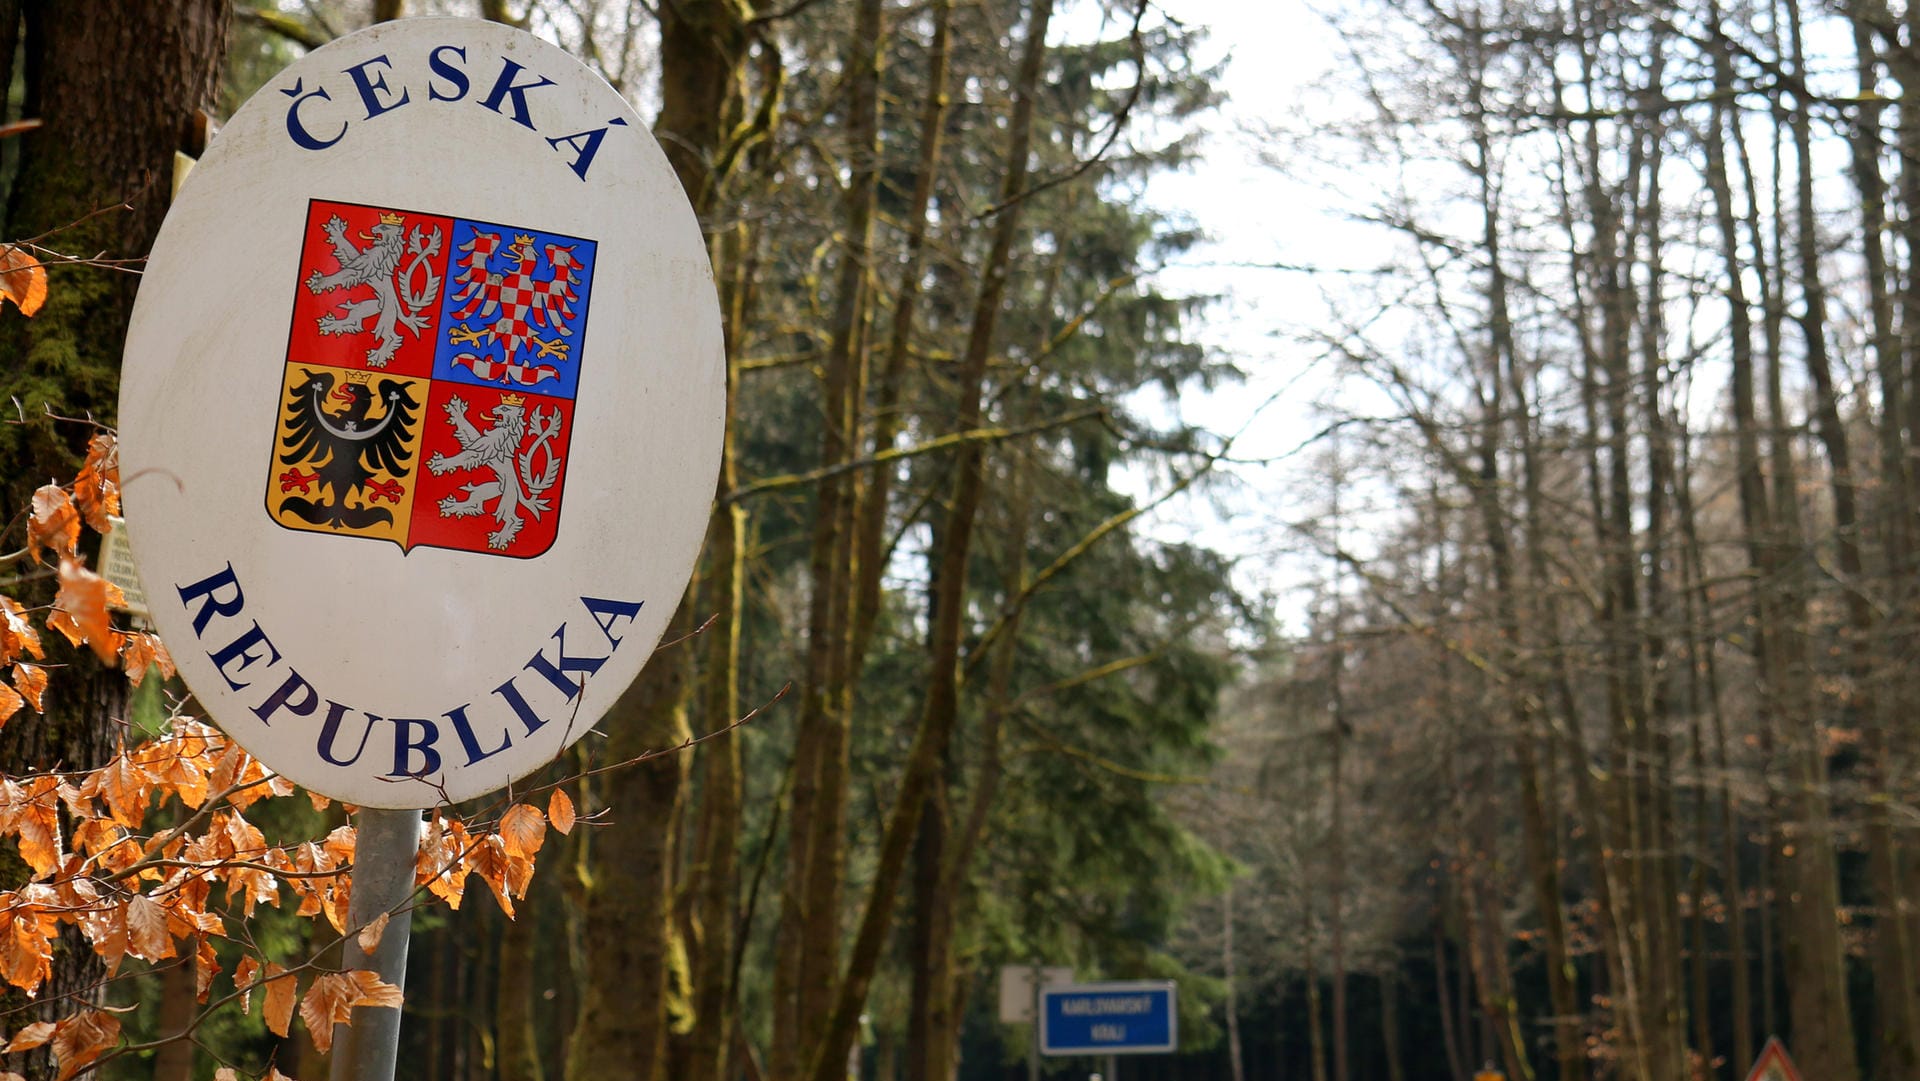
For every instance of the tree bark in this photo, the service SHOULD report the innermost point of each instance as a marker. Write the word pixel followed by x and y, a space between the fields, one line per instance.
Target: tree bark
pixel 624 1012
pixel 807 952
pixel 940 712
pixel 1822 1022
pixel 517 1054
pixel 95 149
pixel 636 962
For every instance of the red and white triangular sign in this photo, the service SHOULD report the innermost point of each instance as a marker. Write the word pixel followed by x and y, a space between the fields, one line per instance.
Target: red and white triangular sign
pixel 1773 1063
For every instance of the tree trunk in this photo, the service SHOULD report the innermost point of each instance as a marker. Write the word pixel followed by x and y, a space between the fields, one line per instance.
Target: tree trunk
pixel 1229 971
pixel 825 705
pixel 1484 485
pixel 174 1061
pixel 1896 996
pixel 1316 1029
pixel 1751 488
pixel 517 1047
pixel 1457 1057
pixel 941 708
pixel 1822 1023
pixel 635 946
pixel 717 863
pixel 96 148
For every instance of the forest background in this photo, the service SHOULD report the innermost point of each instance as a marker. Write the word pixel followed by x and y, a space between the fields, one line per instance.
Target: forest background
pixel 1552 714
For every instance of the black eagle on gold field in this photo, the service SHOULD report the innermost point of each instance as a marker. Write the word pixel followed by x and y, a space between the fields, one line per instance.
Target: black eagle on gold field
pixel 344 447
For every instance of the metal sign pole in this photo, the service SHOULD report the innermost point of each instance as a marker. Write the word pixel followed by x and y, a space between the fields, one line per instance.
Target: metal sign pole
pixel 383 859
pixel 1033 1045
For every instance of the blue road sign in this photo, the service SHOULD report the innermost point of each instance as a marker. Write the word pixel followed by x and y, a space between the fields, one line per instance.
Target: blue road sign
pixel 1130 1017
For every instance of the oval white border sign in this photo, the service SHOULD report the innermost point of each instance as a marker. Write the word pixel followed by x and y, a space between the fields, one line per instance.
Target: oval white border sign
pixel 421 412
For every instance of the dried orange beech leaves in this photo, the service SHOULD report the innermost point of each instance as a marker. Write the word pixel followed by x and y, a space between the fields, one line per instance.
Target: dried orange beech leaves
pixel 156 896
pixel 22 279
pixel 77 1040
pixel 132 890
pixel 82 609
pixel 503 859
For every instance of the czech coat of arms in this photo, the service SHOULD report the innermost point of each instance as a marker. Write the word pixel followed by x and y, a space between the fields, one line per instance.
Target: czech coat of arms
pixel 423 403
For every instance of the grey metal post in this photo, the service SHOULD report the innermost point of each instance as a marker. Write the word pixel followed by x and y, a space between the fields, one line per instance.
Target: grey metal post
pixel 1113 1068
pixel 383 858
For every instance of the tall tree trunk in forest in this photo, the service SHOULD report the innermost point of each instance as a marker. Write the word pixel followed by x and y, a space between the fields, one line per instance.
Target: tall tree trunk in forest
pixel 95 149
pixel 807 946
pixel 1822 1023
pixel 948 902
pixel 1623 974
pixel 517 1047
pixel 1229 968
pixel 1483 482
pixel 636 953
pixel 1705 695
pixel 1450 1038
pixel 1756 526
pixel 174 1061
pixel 1904 538
pixel 1659 863
pixel 1316 1028
pixel 889 386
pixel 1605 384
pixel 1336 890
pixel 827 698
pixel 947 618
pixel 1878 686
pixel 1390 1025
pixel 929 849
pixel 1779 585
pixel 717 876
pixel 1336 825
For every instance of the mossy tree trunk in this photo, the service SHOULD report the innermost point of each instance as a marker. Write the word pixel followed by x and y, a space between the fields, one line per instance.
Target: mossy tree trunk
pixel 94 179
pixel 98 147
pixel 636 964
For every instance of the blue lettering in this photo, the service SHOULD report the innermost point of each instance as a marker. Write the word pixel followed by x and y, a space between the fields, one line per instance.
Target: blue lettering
pixel 297 128
pixel 470 742
pixel 605 612
pixel 404 746
pixel 556 675
pixel 583 152
pixel 448 72
pixel 206 589
pixel 505 85
pixel 240 649
pixel 283 699
pixel 518 701
pixel 371 87
pixel 331 729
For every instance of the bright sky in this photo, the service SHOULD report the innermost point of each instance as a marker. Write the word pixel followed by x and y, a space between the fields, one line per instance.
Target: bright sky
pixel 1255 217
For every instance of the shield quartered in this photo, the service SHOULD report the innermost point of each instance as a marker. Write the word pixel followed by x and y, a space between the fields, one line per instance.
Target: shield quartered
pixel 432 367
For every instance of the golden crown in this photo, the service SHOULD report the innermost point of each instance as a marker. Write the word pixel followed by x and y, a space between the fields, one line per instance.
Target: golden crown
pixel 359 377
pixel 513 399
pixel 392 219
pixel 524 238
